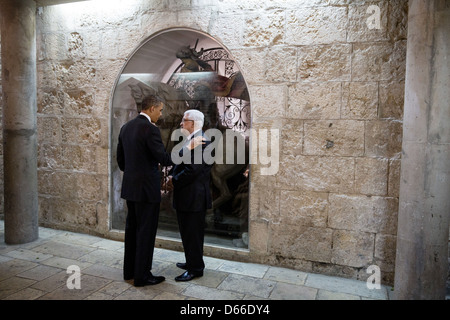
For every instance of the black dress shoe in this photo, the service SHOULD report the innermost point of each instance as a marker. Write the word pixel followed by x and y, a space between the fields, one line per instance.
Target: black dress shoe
pixel 151 280
pixel 182 265
pixel 188 276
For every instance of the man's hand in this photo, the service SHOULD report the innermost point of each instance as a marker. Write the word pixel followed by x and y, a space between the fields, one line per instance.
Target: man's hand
pixel 197 141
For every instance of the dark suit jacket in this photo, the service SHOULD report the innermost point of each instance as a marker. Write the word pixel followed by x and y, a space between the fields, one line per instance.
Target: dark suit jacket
pixel 191 183
pixel 139 151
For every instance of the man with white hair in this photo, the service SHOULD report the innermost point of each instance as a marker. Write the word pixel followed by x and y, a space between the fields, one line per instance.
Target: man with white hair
pixel 191 198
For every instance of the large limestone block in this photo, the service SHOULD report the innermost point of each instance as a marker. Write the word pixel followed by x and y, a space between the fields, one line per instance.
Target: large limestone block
pixel 264 28
pixel 304 208
pixel 334 138
pixel 383 138
pixel 379 61
pixel 325 62
pixel 315 173
pixel 363 213
pixel 316 25
pixel 360 100
pixel 352 248
pixel 371 176
pixel 320 100
pixel 300 242
pixel 391 100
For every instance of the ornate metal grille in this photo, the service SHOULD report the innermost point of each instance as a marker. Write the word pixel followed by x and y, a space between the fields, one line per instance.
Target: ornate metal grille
pixel 234 112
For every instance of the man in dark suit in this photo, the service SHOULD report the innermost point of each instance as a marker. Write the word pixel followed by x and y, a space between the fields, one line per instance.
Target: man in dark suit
pixel 139 151
pixel 191 198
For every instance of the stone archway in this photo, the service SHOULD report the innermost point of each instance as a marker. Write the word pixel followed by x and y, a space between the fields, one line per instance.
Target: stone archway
pixel 191 70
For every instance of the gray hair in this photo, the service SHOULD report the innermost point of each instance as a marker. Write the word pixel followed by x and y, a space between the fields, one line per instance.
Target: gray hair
pixel 197 116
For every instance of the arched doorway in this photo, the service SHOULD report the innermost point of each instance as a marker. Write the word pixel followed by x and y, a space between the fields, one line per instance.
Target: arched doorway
pixel 190 70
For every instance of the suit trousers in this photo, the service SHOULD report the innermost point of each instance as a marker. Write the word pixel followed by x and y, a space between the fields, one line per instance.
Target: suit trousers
pixel 140 233
pixel 192 231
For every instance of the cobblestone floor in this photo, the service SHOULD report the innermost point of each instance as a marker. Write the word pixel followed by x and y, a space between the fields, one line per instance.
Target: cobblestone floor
pixel 39 271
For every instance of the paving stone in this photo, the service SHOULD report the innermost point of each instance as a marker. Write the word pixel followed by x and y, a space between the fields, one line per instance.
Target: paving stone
pixel 76 238
pixel 39 273
pixel 5 259
pixel 98 296
pixel 11 268
pixel 64 250
pixel 89 285
pixel 248 285
pixel 330 295
pixel 350 286
pixel 211 278
pixel 115 288
pixel 64 263
pixel 24 277
pixel 286 275
pixel 25 254
pixel 246 269
pixel 103 271
pixel 206 293
pixel 212 263
pixel 286 291
pixel 13 285
pixel 169 296
pixel 168 255
pixel 137 294
pixel 26 294
pixel 106 257
pixel 108 245
pixel 51 283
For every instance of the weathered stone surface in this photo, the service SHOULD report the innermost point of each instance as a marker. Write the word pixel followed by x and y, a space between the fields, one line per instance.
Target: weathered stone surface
pixel 227 29
pixel 259 236
pixel 352 248
pixel 371 176
pixel 302 242
pixel 312 173
pixel 384 253
pixel 84 131
pixel 49 157
pixel 325 62
pixel 304 208
pixel 379 61
pixel 383 138
pixel 363 213
pixel 316 25
pixel 359 16
pixel 264 28
pixel 314 100
pixel 281 64
pixel 360 100
pixel 268 101
pixel 391 100
pixel 394 178
pixel 49 130
pixel 334 138
pixel 292 137
pixel 252 62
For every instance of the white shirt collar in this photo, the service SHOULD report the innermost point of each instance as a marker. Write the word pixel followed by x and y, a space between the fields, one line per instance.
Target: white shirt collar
pixel 192 134
pixel 146 115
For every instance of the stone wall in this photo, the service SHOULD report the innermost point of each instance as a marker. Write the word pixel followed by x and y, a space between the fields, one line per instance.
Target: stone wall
pixel 332 86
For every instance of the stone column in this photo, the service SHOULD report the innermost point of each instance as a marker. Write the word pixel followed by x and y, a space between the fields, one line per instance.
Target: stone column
pixel 18 36
pixel 422 241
